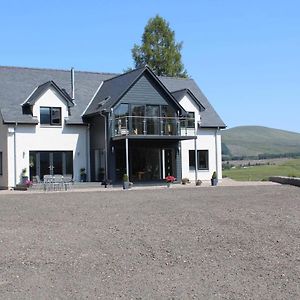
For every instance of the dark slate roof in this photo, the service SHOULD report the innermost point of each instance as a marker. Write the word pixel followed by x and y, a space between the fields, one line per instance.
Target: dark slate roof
pixel 44 87
pixel 111 90
pixel 17 84
pixel 209 117
pixel 114 89
pixel 181 93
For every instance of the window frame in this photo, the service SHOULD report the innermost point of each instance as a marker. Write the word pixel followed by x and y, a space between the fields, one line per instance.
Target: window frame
pixel 1 163
pixel 51 114
pixel 192 159
pixel 190 123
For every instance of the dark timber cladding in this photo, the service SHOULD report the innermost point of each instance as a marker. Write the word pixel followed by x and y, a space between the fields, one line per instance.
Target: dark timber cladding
pixel 145 91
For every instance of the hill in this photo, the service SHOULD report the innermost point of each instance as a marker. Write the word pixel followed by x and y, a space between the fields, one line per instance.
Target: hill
pixel 256 141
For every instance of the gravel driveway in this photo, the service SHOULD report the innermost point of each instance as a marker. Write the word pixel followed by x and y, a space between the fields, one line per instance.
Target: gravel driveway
pixel 195 243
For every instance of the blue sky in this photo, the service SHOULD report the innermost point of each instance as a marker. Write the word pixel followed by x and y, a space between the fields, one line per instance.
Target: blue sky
pixel 244 55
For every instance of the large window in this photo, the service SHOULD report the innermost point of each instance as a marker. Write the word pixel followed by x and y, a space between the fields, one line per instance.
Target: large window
pixel 202 157
pixel 1 170
pixel 191 120
pixel 50 116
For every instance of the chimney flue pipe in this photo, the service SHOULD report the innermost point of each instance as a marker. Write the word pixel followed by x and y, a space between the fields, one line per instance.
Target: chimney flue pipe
pixel 72 83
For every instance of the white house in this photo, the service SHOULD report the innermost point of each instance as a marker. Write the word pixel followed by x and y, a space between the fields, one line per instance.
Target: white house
pixel 148 127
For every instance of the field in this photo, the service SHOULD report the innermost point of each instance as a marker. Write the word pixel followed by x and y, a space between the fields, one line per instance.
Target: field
pixel 289 168
pixel 187 243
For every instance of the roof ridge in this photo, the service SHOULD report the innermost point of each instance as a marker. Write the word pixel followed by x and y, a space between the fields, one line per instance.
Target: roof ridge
pixel 175 77
pixel 184 89
pixel 55 69
pixel 125 73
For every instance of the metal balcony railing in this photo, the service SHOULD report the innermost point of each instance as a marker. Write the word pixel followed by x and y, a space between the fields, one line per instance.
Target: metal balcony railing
pixel 162 126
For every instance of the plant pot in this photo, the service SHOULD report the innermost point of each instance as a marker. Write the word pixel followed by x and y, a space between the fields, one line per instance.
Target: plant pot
pixel 198 182
pixel 83 177
pixel 101 176
pixel 169 184
pixel 214 182
pixel 126 185
pixel 24 179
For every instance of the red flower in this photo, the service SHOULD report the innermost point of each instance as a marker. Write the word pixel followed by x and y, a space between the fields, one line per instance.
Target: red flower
pixel 170 178
pixel 28 183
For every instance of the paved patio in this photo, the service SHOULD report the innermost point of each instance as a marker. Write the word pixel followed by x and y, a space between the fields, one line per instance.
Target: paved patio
pixel 96 186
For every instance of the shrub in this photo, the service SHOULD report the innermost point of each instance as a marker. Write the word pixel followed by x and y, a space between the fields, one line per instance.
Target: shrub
pixel 198 182
pixel 185 181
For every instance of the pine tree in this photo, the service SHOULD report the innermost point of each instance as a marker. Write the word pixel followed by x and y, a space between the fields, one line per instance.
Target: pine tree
pixel 159 49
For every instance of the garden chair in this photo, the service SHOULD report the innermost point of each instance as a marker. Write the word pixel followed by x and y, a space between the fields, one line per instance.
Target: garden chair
pixel 68 182
pixel 48 182
pixel 36 182
pixel 58 182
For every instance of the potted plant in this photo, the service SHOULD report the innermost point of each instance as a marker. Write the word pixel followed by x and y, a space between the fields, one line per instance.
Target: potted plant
pixel 169 180
pixel 28 183
pixel 126 182
pixel 24 176
pixel 214 179
pixel 82 175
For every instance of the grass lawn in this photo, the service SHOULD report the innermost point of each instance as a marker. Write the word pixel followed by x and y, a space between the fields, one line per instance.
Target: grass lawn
pixel 289 168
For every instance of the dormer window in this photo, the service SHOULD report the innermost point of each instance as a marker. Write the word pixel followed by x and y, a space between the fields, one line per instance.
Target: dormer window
pixel 50 116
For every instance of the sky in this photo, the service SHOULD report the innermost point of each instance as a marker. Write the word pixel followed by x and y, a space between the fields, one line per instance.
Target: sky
pixel 244 55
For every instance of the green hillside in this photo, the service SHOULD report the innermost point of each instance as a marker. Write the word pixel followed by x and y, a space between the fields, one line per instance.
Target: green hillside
pixel 255 140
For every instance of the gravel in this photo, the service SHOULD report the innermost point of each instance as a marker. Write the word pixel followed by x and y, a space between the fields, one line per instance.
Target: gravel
pixel 193 243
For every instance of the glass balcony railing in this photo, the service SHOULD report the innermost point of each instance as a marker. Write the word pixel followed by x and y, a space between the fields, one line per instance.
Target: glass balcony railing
pixel 162 126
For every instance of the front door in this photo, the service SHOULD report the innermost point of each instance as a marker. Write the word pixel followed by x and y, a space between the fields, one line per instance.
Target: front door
pixel 169 162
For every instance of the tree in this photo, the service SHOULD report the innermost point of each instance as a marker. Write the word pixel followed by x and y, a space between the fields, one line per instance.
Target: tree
pixel 159 49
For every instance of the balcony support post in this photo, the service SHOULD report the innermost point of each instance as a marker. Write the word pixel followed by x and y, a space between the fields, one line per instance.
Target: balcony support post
pixel 127 159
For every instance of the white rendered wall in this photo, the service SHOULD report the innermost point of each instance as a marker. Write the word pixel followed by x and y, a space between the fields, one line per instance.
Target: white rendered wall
pixel 48 138
pixel 3 149
pixel 207 139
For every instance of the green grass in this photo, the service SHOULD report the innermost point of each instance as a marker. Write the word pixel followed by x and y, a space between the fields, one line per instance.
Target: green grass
pixel 256 173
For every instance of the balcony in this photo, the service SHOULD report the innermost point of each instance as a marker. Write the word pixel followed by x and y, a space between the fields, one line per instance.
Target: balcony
pixel 153 126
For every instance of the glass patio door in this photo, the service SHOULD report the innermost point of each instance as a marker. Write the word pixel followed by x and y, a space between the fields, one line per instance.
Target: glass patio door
pixel 45 167
pixel 152 113
pixel 49 163
pixel 56 163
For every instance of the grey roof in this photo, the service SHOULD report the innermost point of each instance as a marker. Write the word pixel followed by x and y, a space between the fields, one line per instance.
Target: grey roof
pixel 44 87
pixel 17 84
pixel 209 117
pixel 113 89
pixel 181 93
